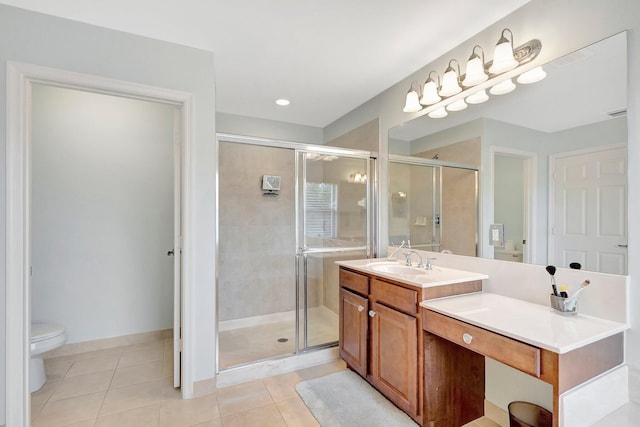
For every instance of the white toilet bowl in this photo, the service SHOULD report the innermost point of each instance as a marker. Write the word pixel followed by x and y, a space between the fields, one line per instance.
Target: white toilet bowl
pixel 44 337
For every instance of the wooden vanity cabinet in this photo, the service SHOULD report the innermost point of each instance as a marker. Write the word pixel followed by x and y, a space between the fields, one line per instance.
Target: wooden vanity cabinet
pixel 379 337
pixel 381 334
pixel 354 330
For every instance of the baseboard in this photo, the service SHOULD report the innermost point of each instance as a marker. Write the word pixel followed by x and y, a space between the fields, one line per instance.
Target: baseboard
pixel 108 343
pixel 496 414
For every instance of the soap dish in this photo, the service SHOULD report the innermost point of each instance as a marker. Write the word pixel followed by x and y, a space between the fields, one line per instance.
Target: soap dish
pixel 558 305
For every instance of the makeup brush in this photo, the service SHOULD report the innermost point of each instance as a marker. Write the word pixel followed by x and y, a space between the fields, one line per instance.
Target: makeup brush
pixel 552 270
pixel 570 304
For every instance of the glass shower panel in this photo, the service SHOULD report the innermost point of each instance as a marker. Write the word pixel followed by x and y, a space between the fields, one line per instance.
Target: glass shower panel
pixel 414 205
pixel 256 267
pixel 334 225
pixel 460 210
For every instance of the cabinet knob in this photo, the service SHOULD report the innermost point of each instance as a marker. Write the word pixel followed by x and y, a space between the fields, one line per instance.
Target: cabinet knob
pixel 467 338
pixel 372 313
pixel 360 308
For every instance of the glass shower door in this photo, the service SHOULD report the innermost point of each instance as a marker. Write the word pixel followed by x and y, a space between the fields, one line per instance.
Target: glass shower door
pixel 334 224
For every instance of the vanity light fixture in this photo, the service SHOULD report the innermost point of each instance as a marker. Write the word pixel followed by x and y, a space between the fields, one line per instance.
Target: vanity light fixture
pixel 503 57
pixel 359 178
pixel 478 98
pixel 458 105
pixel 475 69
pixel 439 113
pixel 450 81
pixel 532 76
pixel 503 87
pixel 457 90
pixel 412 103
pixel 430 92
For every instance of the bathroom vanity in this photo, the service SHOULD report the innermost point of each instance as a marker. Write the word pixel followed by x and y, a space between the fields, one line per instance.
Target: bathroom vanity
pixel 380 323
pixel 426 353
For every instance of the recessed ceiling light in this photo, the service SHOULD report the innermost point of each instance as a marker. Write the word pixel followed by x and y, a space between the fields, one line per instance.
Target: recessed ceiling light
pixel 282 102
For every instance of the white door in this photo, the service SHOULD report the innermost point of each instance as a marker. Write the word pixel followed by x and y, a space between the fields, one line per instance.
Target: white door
pixel 589 210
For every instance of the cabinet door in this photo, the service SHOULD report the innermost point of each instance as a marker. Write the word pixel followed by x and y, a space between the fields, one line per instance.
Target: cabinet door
pixel 394 356
pixel 354 327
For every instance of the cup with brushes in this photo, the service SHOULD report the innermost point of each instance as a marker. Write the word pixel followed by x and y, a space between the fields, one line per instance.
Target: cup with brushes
pixel 559 298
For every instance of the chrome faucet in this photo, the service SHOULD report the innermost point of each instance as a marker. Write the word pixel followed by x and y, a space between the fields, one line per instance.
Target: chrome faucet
pixel 395 251
pixel 428 265
pixel 408 254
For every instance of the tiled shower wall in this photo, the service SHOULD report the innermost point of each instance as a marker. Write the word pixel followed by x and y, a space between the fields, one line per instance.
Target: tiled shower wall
pixel 256 232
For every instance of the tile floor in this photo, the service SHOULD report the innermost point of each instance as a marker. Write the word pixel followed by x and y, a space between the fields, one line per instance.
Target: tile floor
pixel 131 386
pixel 251 344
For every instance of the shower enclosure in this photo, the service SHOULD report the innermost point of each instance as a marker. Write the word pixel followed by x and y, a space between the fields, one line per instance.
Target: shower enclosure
pixel 433 204
pixel 286 213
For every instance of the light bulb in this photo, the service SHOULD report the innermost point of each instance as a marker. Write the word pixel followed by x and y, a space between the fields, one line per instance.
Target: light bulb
pixel 502 87
pixel 439 113
pixel 478 97
pixel 532 76
pixel 412 104
pixel 457 105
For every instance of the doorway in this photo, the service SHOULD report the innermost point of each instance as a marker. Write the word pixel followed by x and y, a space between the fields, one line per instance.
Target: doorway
pixel 588 209
pixel 287 212
pixel 513 174
pixel 22 80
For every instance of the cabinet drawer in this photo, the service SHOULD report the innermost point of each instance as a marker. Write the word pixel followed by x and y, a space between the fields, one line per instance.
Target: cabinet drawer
pixel 514 353
pixel 354 281
pixel 395 296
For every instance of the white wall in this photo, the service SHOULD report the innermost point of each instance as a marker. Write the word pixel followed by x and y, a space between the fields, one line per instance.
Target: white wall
pixel 251 126
pixel 509 197
pixel 562 26
pixel 102 213
pixel 53 42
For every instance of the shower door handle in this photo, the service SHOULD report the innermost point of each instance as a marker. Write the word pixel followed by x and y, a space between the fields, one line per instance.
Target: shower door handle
pixel 170 253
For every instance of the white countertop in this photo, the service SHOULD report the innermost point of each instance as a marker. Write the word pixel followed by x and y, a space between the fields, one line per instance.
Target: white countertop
pixel 524 321
pixel 422 278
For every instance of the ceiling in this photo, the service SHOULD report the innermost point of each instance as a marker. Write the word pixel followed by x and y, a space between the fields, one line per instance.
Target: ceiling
pixel 328 57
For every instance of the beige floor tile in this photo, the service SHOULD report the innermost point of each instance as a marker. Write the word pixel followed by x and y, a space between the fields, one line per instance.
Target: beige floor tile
pixel 323 370
pixel 188 412
pixel 296 413
pixel 92 365
pixel 144 346
pixel 210 423
pixel 283 386
pixel 147 416
pixel 81 385
pixel 81 424
pixel 40 397
pixel 486 422
pixel 169 392
pixel 57 368
pixel 102 353
pixel 263 416
pixel 138 374
pixel 167 366
pixel 130 397
pixel 141 356
pixel 242 397
pixel 68 411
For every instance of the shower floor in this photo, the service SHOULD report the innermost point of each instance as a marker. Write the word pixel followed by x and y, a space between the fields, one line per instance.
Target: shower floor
pixel 269 339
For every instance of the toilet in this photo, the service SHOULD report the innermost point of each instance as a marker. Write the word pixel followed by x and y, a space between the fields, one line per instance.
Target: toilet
pixel 44 337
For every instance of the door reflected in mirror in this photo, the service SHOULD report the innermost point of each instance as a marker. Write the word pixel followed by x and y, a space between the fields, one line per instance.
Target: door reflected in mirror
pixel 578 110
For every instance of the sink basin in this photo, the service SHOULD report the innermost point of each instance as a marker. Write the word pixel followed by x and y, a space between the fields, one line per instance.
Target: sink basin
pixel 395 269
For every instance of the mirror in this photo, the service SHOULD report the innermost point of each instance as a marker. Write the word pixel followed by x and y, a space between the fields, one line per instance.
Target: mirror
pixel 577 111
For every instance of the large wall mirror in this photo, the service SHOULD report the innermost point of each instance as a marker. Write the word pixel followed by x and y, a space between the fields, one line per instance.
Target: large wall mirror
pixel 552 166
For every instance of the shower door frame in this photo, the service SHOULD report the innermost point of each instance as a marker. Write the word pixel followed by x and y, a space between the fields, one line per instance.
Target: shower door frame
pixel 419 161
pixel 297 148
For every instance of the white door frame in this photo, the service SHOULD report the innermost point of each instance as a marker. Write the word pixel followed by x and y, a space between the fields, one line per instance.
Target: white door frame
pixel 20 77
pixel 530 197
